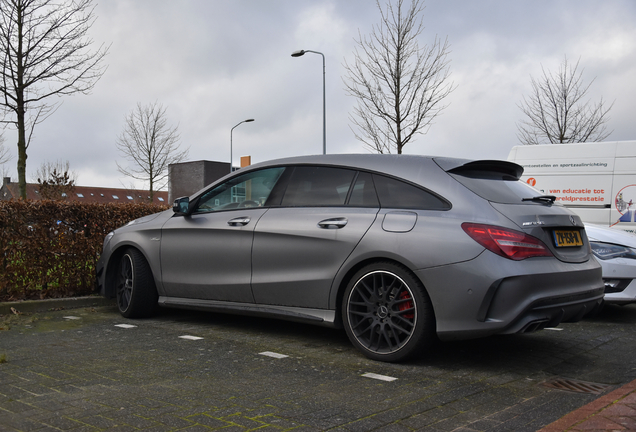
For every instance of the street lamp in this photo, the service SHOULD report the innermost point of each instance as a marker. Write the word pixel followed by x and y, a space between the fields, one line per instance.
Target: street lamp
pixel 324 112
pixel 244 121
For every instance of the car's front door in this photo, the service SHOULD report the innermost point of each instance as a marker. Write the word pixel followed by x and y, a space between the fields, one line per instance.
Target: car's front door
pixel 207 254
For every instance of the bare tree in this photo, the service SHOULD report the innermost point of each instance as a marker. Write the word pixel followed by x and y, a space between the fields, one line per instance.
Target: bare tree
pixel 399 85
pixel 556 112
pixel 150 145
pixel 138 195
pixel 5 155
pixel 45 52
pixel 56 180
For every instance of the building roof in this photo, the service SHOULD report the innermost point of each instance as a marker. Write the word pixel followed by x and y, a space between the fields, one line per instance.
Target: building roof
pixel 102 195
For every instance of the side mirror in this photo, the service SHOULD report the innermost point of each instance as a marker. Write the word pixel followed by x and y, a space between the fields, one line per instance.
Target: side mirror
pixel 181 205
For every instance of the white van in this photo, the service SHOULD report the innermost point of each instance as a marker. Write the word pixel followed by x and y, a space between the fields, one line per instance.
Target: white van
pixel 596 180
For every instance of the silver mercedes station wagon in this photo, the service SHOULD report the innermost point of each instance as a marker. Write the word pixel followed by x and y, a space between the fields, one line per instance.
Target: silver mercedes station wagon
pixel 396 249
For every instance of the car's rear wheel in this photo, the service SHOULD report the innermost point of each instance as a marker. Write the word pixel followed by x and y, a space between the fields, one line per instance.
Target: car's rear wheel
pixel 136 292
pixel 387 313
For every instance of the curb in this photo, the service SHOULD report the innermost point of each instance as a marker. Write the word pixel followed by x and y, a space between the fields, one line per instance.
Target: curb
pixel 591 410
pixel 49 304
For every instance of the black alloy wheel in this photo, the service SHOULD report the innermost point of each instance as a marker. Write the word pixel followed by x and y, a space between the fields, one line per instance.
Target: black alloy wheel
pixel 387 313
pixel 136 292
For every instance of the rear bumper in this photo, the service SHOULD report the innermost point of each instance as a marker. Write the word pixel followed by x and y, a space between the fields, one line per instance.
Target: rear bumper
pixel 491 295
pixel 550 312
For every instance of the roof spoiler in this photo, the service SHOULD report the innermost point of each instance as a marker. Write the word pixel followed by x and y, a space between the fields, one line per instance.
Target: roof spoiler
pixel 459 166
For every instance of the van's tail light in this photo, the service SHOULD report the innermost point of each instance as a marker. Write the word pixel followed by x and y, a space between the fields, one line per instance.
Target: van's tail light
pixel 508 243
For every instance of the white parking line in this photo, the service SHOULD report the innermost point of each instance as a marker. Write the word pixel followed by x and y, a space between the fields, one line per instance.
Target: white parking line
pixel 188 337
pixel 553 328
pixel 125 326
pixel 71 318
pixel 379 377
pixel 273 354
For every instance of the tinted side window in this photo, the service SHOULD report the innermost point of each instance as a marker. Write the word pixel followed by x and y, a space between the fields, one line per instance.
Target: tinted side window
pixel 248 190
pixel 317 186
pixel 363 192
pixel 397 194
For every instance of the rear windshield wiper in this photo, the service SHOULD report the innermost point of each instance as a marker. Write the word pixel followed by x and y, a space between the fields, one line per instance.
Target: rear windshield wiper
pixel 548 199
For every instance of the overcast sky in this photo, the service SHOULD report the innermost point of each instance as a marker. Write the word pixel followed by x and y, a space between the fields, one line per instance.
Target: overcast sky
pixel 214 63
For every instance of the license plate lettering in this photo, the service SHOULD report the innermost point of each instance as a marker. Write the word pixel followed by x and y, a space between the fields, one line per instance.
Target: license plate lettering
pixel 567 238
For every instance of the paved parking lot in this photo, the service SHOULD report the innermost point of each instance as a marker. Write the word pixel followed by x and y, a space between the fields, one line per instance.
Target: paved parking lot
pixel 89 369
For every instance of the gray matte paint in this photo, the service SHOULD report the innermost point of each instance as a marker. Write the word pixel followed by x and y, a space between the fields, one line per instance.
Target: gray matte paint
pixel 290 263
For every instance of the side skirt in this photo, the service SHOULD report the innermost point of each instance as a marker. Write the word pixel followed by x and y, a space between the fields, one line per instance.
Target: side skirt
pixel 322 317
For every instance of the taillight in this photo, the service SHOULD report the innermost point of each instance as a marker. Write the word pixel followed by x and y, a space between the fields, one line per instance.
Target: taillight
pixel 508 243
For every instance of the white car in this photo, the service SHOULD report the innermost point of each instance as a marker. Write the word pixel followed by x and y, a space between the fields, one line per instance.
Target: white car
pixel 616 252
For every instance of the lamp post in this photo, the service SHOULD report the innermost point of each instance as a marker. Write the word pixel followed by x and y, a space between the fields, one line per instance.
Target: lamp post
pixel 324 109
pixel 232 130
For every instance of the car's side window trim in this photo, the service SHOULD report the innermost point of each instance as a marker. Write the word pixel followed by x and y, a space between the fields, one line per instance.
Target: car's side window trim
pixel 278 192
pixel 353 183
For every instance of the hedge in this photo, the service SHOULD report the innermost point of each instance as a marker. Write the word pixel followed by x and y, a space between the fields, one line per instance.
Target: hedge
pixel 50 248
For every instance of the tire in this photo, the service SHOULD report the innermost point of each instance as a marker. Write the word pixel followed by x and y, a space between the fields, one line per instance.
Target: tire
pixel 387 313
pixel 136 292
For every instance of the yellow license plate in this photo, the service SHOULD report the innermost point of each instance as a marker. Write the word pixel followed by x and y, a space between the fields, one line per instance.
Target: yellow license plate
pixel 567 238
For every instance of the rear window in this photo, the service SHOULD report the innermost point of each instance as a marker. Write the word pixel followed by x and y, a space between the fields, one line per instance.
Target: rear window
pixel 496 186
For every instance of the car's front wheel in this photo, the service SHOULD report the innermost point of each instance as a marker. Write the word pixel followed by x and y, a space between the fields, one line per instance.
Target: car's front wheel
pixel 387 313
pixel 136 292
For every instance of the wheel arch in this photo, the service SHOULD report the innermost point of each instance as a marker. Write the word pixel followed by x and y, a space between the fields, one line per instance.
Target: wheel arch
pixel 348 274
pixel 112 265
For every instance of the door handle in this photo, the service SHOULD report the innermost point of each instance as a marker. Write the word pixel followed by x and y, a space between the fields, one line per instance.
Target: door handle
pixel 335 223
pixel 239 221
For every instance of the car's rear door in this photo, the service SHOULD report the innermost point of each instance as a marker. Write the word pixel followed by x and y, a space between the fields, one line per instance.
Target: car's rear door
pixel 300 245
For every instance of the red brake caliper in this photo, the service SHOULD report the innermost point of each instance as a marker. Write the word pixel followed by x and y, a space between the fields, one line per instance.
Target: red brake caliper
pixel 406 305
